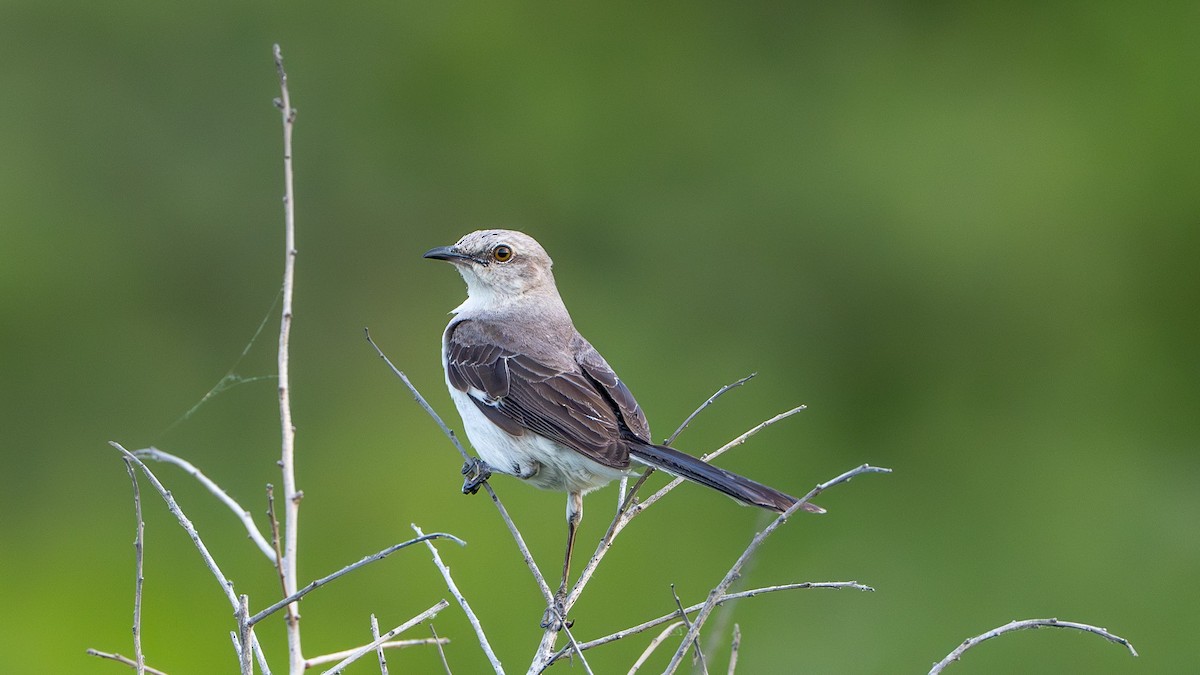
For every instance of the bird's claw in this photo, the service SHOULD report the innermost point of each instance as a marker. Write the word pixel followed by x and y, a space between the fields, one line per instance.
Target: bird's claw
pixel 476 473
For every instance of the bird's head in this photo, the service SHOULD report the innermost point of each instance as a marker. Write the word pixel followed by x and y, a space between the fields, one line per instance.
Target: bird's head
pixel 499 266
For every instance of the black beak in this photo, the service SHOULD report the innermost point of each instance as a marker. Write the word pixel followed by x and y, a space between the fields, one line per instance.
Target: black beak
pixel 445 253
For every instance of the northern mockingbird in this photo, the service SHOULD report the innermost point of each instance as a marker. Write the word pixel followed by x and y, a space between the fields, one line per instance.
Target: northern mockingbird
pixel 538 402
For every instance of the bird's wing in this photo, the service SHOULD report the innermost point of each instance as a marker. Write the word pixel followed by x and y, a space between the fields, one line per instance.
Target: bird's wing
pixel 602 374
pixel 519 393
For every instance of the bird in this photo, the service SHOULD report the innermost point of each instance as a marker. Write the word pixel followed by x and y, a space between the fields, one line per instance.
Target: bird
pixel 538 402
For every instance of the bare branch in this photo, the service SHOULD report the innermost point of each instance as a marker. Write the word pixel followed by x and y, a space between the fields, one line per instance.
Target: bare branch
pixel 462 602
pixel 734 647
pixel 348 569
pixel 508 521
pixel 633 510
pixel 711 399
pixel 420 399
pixel 368 648
pixel 209 561
pixel 123 659
pixel 634 630
pixel 389 644
pixel 716 593
pixel 287 462
pixel 722 450
pixel 383 669
pixel 275 544
pixel 650 648
pixel 1028 624
pixel 191 469
pixel 696 644
pixel 138 541
pixel 441 652
pixel 243 642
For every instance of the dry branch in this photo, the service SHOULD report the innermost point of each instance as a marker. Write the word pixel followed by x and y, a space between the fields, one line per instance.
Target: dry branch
pixel 191 469
pixel 462 602
pixel 370 647
pixel 716 593
pixel 350 568
pixel 138 546
pixel 1023 625
pixel 287 461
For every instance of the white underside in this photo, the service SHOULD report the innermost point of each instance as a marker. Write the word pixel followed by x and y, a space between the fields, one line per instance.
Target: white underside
pixel 530 457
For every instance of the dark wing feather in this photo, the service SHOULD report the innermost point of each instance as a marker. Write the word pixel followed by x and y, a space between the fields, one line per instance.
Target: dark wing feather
pixel 602 374
pixel 524 393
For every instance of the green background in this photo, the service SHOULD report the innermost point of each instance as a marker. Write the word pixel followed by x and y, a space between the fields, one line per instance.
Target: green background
pixel 965 235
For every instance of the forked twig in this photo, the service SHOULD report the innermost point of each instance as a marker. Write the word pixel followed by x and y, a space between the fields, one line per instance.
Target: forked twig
pixel 715 594
pixel 1028 624
pixel 191 469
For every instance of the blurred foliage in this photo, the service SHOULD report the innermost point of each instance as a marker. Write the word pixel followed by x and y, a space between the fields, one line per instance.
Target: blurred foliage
pixel 965 234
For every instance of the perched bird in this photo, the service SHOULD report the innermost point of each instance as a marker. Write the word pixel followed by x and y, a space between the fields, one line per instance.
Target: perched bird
pixel 538 402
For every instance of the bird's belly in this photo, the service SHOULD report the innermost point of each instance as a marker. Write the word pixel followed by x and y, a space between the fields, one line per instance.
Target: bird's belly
pixel 530 457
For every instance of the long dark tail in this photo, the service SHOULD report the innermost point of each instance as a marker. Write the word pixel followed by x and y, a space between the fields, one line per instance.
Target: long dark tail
pixel 738 487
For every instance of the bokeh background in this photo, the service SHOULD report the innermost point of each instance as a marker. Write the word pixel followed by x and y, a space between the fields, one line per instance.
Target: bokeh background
pixel 966 236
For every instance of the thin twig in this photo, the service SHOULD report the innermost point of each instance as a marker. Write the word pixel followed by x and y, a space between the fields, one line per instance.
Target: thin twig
pixel 123 659
pixel 662 492
pixel 389 644
pixel 441 652
pixel 650 648
pixel 696 645
pixel 383 669
pixel 733 649
pixel 628 497
pixel 462 602
pixel 244 628
pixel 711 399
pixel 138 548
pixel 191 469
pixel 275 544
pixel 368 648
pixel 629 514
pixel 173 506
pixel 419 398
pixel 547 594
pixel 348 569
pixel 287 462
pixel 1030 624
pixel 715 594
pixel 647 625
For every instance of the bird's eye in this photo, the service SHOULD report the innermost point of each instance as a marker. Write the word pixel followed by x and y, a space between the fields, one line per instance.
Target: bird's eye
pixel 502 253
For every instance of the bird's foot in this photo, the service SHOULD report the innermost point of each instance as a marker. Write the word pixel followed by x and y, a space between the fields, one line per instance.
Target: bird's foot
pixel 476 473
pixel 555 617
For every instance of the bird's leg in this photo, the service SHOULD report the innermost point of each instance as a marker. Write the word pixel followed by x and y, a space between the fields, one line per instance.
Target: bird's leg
pixel 555 617
pixel 476 472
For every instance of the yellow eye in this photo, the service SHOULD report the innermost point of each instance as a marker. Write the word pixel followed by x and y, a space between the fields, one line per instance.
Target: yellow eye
pixel 502 253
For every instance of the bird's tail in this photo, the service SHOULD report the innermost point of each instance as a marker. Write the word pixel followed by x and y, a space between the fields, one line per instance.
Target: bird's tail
pixel 738 487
